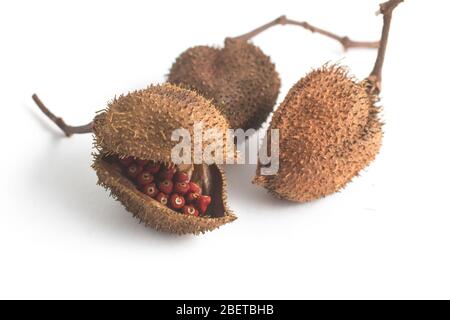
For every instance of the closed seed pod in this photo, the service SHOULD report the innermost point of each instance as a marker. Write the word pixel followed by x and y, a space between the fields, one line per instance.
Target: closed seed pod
pixel 329 129
pixel 239 78
pixel 140 125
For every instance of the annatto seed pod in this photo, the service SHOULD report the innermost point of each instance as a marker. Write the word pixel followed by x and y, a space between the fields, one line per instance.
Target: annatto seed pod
pixel 140 125
pixel 329 129
pixel 239 78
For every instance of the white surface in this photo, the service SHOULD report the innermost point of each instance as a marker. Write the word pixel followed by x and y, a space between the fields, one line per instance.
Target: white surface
pixel 385 236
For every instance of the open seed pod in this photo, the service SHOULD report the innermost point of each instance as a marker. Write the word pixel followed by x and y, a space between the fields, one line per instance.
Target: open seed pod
pixel 329 129
pixel 239 78
pixel 133 137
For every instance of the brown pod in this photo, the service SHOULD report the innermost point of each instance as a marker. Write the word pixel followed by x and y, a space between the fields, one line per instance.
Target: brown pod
pixel 239 78
pixel 140 125
pixel 133 137
pixel 329 129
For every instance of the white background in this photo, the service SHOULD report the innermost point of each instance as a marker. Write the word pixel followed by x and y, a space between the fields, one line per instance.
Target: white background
pixel 61 236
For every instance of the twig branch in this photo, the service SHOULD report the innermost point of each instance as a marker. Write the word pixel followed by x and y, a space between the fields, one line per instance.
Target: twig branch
pixel 68 130
pixel 386 10
pixel 346 42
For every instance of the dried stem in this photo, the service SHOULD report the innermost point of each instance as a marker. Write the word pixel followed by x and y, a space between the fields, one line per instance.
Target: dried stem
pixel 68 130
pixel 386 10
pixel 346 42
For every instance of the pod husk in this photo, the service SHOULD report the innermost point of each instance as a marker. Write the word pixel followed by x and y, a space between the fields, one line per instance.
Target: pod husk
pixel 329 131
pixel 155 215
pixel 239 78
pixel 140 124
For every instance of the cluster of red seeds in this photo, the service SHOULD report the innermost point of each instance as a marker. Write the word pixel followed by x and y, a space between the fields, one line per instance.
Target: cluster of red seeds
pixel 167 185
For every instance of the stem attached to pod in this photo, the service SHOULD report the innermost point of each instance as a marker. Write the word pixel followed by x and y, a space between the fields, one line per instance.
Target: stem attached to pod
pixel 346 42
pixel 375 76
pixel 68 130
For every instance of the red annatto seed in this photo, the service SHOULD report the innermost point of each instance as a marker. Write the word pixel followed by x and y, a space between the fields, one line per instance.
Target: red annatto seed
pixel 202 203
pixel 193 187
pixel 134 170
pixel 181 187
pixel 153 167
pixel 166 174
pixel 190 197
pixel 181 177
pixel 144 178
pixel 190 210
pixel 166 186
pixel 126 161
pixel 162 198
pixel 151 190
pixel 140 162
pixel 176 201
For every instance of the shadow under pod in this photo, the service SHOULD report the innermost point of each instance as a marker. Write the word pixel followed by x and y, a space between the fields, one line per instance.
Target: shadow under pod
pixel 242 191
pixel 62 175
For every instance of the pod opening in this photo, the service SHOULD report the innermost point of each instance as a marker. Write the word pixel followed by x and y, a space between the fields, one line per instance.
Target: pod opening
pixel 184 189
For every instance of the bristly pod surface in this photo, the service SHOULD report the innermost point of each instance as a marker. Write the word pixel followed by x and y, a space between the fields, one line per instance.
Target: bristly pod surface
pixel 329 128
pixel 135 131
pixel 239 78
pixel 329 131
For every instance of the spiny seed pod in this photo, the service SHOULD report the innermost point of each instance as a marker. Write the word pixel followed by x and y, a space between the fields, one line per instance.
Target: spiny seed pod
pixel 239 78
pixel 329 129
pixel 139 125
pixel 133 137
